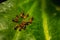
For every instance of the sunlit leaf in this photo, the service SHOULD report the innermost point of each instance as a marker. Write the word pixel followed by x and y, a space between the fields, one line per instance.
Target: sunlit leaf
pixel 45 26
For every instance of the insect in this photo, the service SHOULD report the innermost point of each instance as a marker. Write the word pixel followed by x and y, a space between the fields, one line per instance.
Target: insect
pixel 16 19
pixel 16 27
pixel 30 21
pixel 23 25
pixel 2 1
pixel 23 16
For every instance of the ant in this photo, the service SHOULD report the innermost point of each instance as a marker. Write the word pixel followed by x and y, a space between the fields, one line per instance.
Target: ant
pixel 24 16
pixel 21 15
pixel 17 26
pixel 16 19
pixel 23 25
pixel 30 21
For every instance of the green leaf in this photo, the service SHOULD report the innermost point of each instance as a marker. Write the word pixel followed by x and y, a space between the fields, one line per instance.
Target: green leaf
pixel 45 26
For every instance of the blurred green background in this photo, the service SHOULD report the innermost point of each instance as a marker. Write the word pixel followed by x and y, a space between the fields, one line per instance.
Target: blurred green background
pixel 46 24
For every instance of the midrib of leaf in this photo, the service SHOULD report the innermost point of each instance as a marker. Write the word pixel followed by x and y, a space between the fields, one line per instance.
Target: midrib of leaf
pixel 26 1
pixel 45 19
pixel 18 34
pixel 32 8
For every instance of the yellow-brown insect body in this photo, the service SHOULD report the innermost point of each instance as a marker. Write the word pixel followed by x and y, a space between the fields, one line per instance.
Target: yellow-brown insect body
pixel 17 26
pixel 23 23
pixel 26 16
pixel 23 16
pixel 30 21
pixel 16 19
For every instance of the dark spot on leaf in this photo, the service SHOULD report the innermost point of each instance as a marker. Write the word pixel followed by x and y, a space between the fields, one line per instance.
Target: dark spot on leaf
pixel 19 29
pixel 16 28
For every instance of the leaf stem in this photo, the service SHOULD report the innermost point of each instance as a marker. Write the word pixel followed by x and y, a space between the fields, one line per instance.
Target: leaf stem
pixel 45 20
